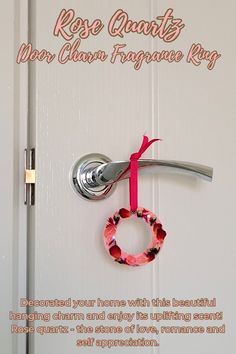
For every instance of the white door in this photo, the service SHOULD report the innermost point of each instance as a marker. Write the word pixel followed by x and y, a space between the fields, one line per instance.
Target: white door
pixel 79 108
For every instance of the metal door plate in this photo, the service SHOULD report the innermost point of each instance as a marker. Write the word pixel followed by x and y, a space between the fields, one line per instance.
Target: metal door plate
pixel 80 173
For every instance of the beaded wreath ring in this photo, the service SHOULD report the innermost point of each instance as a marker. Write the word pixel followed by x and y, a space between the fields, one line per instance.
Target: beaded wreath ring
pixel 154 247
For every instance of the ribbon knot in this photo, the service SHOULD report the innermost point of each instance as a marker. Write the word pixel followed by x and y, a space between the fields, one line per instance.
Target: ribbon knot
pixel 133 180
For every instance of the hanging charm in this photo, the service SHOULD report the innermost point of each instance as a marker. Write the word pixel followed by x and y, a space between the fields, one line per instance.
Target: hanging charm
pixel 158 234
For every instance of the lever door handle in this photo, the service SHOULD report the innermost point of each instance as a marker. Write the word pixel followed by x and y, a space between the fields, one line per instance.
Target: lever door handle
pixel 94 176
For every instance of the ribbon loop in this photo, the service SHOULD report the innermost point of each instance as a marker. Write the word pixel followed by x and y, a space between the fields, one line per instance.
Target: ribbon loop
pixel 133 180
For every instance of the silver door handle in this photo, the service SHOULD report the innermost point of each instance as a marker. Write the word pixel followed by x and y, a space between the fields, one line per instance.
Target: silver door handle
pixel 94 176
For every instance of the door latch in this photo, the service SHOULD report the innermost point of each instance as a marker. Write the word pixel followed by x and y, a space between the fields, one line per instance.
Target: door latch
pixel 30 177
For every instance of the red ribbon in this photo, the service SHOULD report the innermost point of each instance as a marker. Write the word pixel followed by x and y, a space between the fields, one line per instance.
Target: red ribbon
pixel 133 180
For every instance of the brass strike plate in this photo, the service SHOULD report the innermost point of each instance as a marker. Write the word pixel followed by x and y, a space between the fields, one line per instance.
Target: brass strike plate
pixel 30 177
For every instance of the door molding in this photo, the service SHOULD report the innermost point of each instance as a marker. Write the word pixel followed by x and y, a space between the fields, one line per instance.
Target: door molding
pixel 13 140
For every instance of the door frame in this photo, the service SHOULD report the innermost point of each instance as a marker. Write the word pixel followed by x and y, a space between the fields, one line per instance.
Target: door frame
pixel 13 141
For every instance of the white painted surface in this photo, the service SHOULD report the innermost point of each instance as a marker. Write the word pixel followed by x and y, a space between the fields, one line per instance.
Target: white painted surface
pixel 197 119
pixel 13 140
pixel 81 108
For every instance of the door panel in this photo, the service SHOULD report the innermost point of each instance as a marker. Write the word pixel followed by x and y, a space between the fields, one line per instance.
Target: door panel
pixel 79 108
pixel 197 121
pixel 82 109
